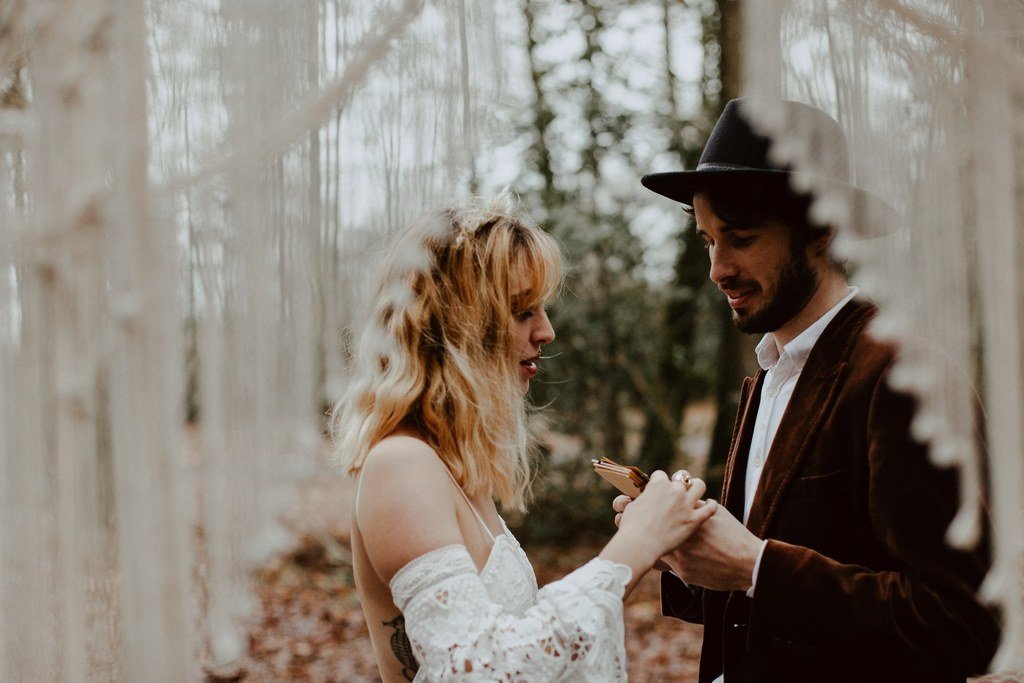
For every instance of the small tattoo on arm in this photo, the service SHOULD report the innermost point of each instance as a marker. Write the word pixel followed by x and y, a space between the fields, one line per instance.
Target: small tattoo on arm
pixel 402 648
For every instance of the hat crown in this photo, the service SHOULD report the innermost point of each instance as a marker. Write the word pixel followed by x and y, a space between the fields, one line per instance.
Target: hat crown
pixel 735 144
pixel 807 151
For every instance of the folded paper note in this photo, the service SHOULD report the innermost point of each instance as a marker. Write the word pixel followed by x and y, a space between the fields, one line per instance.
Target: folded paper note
pixel 626 478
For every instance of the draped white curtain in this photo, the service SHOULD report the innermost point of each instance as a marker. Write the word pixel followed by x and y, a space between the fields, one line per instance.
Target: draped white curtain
pixel 191 193
pixel 191 196
pixel 930 94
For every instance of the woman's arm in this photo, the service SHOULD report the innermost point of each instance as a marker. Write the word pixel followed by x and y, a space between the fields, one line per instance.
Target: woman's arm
pixel 573 632
pixel 409 526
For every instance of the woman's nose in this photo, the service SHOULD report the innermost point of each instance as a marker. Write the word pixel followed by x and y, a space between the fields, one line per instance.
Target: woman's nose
pixel 543 332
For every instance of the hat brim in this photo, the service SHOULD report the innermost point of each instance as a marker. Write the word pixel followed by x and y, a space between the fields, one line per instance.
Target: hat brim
pixel 680 186
pixel 876 217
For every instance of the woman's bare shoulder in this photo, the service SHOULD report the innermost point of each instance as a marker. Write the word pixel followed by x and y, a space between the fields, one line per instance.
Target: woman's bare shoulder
pixel 406 506
pixel 400 456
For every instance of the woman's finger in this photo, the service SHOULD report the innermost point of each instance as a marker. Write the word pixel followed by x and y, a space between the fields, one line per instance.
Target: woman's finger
pixel 620 503
pixel 618 519
pixel 697 489
pixel 657 475
pixel 706 511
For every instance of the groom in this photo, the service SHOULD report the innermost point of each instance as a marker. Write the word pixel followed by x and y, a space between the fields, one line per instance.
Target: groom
pixel 827 561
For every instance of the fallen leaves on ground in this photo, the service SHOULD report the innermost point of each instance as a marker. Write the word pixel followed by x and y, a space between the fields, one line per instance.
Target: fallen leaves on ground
pixel 311 627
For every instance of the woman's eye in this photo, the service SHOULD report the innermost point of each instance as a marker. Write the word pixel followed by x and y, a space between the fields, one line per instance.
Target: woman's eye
pixel 524 315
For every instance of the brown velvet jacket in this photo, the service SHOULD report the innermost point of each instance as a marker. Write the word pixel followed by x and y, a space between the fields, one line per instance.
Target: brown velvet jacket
pixel 857 583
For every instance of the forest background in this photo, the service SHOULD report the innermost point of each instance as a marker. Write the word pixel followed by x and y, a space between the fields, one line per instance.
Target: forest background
pixel 646 365
pixel 645 368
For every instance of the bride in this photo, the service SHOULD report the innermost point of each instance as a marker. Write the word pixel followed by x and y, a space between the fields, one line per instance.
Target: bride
pixel 433 427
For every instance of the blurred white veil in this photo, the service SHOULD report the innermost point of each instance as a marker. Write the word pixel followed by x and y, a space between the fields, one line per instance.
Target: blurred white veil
pixel 191 192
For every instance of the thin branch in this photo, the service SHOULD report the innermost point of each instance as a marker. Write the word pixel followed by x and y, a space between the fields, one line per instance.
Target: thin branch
pixel 311 113
pixel 651 396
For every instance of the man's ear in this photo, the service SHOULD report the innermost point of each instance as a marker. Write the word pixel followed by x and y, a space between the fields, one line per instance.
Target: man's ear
pixel 822 240
pixel 818 247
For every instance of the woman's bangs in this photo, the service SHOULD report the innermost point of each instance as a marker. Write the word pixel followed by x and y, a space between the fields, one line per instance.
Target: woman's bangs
pixel 539 269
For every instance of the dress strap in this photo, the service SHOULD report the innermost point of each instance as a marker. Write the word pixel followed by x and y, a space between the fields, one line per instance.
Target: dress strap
pixel 470 504
pixel 359 489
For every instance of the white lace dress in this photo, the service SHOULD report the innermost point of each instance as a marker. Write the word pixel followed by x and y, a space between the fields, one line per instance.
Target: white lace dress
pixel 496 626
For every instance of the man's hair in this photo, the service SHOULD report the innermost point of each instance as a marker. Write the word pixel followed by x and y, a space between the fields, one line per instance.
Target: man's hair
pixel 769 199
pixel 438 353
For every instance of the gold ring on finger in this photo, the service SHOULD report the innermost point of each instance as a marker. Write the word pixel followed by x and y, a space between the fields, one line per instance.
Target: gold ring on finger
pixel 684 477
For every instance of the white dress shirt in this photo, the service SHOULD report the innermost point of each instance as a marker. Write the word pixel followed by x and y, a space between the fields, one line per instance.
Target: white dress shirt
pixel 782 366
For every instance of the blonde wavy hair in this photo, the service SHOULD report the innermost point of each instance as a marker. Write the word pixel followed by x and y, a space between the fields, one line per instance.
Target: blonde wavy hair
pixel 438 352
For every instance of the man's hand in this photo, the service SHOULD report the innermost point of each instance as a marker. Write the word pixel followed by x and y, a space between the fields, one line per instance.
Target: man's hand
pixel 720 554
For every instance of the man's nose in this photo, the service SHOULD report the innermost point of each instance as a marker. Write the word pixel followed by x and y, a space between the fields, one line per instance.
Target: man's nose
pixel 723 266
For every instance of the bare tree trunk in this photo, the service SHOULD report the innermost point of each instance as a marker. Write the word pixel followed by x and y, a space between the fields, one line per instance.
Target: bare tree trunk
pixel 542 113
pixel 676 356
pixel 735 350
pixel 146 386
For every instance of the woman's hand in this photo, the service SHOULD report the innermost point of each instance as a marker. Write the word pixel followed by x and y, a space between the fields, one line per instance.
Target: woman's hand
pixel 657 521
pixel 619 505
pixel 668 511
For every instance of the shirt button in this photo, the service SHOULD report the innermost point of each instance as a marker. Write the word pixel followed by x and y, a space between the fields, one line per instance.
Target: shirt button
pixel 757 461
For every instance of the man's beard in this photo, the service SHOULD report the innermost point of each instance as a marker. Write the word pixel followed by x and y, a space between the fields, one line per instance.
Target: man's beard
pixel 794 288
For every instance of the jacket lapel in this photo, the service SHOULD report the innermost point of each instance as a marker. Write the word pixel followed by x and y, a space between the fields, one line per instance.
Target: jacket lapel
pixel 739 448
pixel 811 402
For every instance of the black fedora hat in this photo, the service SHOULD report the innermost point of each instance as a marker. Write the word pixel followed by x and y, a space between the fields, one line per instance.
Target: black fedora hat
pixel 736 154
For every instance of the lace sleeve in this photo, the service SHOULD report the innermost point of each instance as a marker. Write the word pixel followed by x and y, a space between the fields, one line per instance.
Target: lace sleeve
pixel 574 632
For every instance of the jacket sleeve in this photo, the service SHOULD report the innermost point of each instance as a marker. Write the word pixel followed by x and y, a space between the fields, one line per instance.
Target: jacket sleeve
pixel 922 611
pixel 681 600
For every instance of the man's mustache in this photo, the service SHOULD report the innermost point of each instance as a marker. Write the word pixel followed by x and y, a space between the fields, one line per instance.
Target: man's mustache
pixel 736 285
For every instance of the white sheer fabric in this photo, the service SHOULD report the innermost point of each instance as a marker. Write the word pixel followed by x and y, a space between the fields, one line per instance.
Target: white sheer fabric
pixel 192 194
pixel 496 626
pixel 929 95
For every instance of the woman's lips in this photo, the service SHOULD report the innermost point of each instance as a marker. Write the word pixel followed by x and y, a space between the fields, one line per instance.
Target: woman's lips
pixel 529 367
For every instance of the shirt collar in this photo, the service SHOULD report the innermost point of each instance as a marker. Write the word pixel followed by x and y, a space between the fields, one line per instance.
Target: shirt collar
pixel 797 350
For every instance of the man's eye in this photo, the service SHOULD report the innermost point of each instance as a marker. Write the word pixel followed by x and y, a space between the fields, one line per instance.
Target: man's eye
pixel 742 241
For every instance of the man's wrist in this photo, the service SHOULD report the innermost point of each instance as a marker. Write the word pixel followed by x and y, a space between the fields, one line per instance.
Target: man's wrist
pixel 756 569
